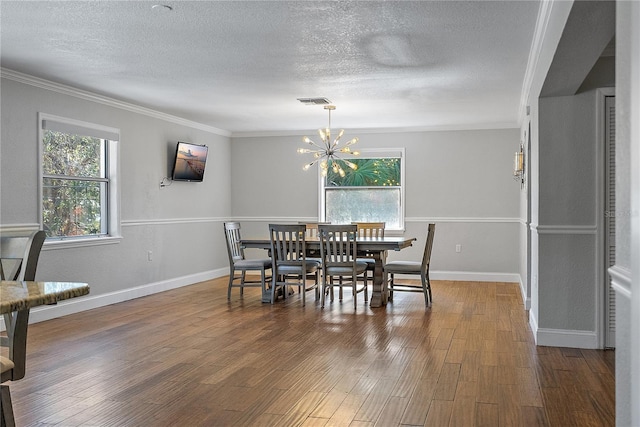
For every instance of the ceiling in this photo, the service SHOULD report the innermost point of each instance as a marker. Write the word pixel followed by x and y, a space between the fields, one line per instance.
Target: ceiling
pixel 241 65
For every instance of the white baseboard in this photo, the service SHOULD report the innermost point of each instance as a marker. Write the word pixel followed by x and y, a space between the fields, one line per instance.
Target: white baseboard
pixel 562 337
pixel 474 276
pixel 64 308
pixel 523 292
pixel 533 323
pixel 566 338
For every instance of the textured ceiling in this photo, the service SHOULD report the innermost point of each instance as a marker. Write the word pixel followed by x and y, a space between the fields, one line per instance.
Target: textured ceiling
pixel 240 66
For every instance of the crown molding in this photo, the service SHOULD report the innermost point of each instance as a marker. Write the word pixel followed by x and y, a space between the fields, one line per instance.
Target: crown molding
pixel 105 100
pixel 542 23
pixel 362 131
pixel 550 15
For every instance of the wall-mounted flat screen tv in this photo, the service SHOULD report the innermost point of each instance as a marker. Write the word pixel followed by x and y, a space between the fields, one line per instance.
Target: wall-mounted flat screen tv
pixel 189 162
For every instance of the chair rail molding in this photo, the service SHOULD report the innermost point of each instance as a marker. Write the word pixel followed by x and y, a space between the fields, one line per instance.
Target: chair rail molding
pixel 171 221
pixel 563 229
pixel 470 220
pixel 415 219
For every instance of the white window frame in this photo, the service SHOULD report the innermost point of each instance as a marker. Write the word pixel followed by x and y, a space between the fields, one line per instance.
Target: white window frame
pixel 113 231
pixel 366 153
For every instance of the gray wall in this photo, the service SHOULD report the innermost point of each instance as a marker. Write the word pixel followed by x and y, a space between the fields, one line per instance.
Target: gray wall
pixel 567 213
pixel 626 271
pixel 170 221
pixel 462 180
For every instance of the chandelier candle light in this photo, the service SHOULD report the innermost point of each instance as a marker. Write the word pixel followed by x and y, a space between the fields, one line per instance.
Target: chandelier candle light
pixel 327 152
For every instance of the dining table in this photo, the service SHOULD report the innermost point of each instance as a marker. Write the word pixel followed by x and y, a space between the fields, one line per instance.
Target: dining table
pixel 374 247
pixel 16 300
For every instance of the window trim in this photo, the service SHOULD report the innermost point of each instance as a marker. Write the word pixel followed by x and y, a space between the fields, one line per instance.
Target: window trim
pixel 372 153
pixel 114 230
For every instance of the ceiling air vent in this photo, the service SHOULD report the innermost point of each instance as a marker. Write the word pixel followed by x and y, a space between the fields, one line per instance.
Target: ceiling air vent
pixel 314 101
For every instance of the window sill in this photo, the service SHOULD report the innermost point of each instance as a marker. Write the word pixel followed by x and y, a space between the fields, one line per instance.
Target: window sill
pixel 79 242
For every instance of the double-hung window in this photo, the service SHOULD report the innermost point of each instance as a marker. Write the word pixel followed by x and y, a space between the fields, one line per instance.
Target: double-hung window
pixel 79 188
pixel 374 192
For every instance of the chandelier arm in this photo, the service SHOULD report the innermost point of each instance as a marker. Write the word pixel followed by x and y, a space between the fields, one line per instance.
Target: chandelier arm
pixel 346 162
pixel 312 142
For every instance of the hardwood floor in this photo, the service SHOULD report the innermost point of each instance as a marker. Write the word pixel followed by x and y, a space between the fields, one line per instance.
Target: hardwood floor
pixel 187 357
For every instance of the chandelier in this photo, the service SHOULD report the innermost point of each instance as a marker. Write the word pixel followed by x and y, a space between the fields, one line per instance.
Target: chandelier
pixel 326 153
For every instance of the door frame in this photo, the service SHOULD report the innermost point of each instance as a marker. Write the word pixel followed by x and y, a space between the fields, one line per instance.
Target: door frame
pixel 602 275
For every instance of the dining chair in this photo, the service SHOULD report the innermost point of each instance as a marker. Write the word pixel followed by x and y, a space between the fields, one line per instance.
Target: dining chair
pixel 237 261
pixel 370 230
pixel 413 268
pixel 311 230
pixel 339 250
pixel 313 254
pixel 290 266
pixel 19 255
pixel 18 250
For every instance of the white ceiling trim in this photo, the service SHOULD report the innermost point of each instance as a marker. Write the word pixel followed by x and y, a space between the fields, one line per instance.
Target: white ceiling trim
pixel 105 100
pixel 550 23
pixel 361 131
pixel 542 23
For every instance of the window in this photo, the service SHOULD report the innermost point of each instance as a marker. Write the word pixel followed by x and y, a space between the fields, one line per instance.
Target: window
pixel 373 192
pixel 79 179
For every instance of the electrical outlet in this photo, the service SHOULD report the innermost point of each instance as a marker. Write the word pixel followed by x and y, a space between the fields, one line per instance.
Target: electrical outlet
pixel 149 255
pixel 458 248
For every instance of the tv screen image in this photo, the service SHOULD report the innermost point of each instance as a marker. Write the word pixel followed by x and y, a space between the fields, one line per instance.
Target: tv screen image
pixel 189 162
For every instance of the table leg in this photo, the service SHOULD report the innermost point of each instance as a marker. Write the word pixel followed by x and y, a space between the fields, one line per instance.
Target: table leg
pixel 379 295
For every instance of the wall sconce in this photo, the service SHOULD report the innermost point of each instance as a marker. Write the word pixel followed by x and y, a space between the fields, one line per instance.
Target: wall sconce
pixel 518 166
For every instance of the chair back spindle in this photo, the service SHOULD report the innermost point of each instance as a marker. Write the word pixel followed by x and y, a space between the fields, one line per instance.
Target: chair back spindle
pixel 370 230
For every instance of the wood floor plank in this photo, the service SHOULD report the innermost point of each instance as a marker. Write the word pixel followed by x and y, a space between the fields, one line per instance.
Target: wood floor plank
pixel 447 382
pixel 190 357
pixel 416 410
pixel 509 408
pixel 486 415
pixel 463 412
pixel 439 413
pixel 392 411
pixel 533 416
